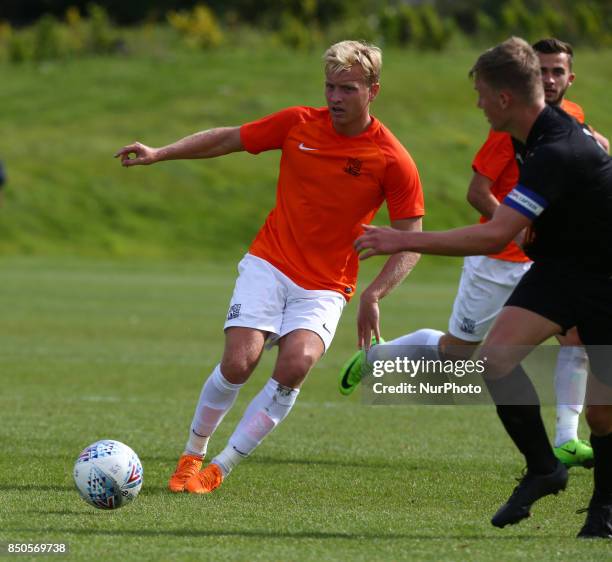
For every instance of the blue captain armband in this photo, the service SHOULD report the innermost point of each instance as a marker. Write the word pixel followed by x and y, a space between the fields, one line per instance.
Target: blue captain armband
pixel 526 202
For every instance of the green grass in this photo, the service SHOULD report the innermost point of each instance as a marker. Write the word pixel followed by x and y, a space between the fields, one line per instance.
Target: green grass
pixel 101 349
pixel 63 121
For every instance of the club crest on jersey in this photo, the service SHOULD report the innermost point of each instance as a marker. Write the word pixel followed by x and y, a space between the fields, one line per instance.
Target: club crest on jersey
pixel 353 166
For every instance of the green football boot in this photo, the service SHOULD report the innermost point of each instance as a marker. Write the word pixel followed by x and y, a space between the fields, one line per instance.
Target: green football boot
pixel 355 369
pixel 575 452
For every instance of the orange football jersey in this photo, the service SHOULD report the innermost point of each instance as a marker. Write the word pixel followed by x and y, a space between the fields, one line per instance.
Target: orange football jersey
pixel 328 185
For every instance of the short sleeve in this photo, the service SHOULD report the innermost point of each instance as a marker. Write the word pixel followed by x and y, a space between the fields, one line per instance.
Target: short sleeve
pixel 494 155
pixel 542 181
pixel 402 187
pixel 269 133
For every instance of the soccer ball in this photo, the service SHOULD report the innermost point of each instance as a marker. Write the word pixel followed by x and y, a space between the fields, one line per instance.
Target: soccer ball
pixel 108 474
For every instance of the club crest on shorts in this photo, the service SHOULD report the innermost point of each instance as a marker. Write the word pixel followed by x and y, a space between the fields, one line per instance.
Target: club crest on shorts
pixel 468 325
pixel 234 311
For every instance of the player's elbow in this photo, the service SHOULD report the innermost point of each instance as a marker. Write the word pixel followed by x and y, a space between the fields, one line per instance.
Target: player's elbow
pixel 473 198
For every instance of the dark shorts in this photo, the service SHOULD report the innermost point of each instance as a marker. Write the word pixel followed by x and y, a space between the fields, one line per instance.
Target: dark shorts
pixel 571 298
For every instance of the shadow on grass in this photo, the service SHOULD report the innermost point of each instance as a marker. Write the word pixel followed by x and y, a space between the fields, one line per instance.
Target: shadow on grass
pixel 36 488
pixel 394 463
pixel 264 534
pixel 148 489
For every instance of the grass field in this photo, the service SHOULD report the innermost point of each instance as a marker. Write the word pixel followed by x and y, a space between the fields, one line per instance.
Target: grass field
pixel 94 347
pixel 98 349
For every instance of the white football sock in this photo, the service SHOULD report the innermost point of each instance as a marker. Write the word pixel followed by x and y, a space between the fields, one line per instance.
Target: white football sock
pixel 570 384
pixel 424 341
pixel 217 397
pixel 425 336
pixel 270 407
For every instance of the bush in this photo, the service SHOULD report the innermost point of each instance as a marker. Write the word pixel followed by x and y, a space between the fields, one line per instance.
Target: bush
pixel 486 28
pixel 589 23
pixel 437 32
pixel 516 19
pixel 47 40
pixel 6 33
pixel 553 23
pixel 415 26
pixel 412 30
pixel 75 30
pixel 50 39
pixel 359 28
pixel 19 48
pixel 101 37
pixel 293 33
pixel 199 27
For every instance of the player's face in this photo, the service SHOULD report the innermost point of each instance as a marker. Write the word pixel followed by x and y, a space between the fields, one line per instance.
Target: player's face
pixel 556 76
pixel 348 99
pixel 492 103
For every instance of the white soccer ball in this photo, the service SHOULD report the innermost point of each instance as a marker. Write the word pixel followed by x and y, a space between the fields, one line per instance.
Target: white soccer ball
pixel 108 474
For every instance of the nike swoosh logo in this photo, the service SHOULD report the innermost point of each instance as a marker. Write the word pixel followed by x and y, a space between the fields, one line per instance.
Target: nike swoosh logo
pixel 302 147
pixel 325 328
pixel 568 450
pixel 344 381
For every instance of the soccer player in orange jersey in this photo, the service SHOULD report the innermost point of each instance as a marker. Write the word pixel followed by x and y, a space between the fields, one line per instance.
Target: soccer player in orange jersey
pixel 487 281
pixel 338 165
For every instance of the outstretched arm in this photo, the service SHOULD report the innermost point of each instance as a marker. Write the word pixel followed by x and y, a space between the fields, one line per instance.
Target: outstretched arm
pixel 395 270
pixel 475 240
pixel 205 144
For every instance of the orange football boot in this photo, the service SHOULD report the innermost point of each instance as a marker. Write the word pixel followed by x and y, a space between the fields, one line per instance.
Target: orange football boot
pixel 188 466
pixel 205 481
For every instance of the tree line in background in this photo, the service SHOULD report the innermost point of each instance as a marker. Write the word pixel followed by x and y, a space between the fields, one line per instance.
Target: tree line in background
pixel 51 29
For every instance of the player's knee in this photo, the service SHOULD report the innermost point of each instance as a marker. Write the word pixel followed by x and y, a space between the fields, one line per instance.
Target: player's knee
pixel 599 419
pixel 292 369
pixel 300 363
pixel 454 348
pixel 496 365
pixel 238 368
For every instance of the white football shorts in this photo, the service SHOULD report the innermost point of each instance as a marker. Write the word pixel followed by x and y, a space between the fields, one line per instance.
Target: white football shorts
pixel 266 299
pixel 484 288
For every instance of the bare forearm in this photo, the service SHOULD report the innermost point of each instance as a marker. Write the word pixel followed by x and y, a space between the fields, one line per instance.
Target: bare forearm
pixel 395 270
pixel 205 144
pixel 474 240
pixel 478 239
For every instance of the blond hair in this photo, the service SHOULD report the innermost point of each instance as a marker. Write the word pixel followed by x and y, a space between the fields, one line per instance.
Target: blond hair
pixel 511 65
pixel 344 55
